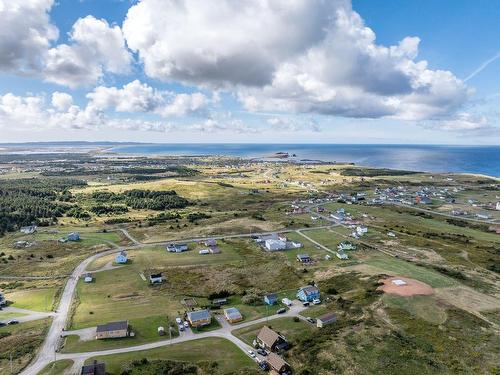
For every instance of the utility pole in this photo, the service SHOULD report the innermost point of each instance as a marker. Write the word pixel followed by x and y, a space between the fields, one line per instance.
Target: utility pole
pixel 11 369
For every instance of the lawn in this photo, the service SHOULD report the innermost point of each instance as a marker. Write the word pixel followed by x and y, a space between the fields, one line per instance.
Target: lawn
pixel 402 268
pixel 33 299
pixel 425 307
pixel 57 367
pixel 227 355
pixel 286 326
pixel 145 330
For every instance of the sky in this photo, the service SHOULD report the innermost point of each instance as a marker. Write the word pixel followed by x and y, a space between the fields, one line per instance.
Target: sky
pixel 260 71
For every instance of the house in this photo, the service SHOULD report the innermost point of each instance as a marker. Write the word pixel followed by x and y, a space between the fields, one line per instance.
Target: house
pixel 73 236
pixel 112 330
pixel 278 365
pixel 271 299
pixel 304 258
pixel 341 255
pixel 346 245
pixel 219 301
pixel 155 278
pixel 233 315
pixel 29 229
pixel 88 278
pixel 215 249
pixel 177 247
pixel 275 245
pixel 325 319
pixel 95 368
pixel 423 200
pixel 308 293
pixel 361 229
pixel 210 242
pixel 199 318
pixel 3 301
pixel 498 206
pixel 391 234
pixel 121 258
pixel 271 340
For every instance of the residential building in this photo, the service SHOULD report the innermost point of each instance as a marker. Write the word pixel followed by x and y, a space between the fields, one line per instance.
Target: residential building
pixel 271 299
pixel 155 278
pixel 271 340
pixel 304 258
pixel 73 236
pixel 233 315
pixel 219 301
pixel 199 318
pixel 341 255
pixel 498 206
pixel 29 229
pixel 308 293
pixel 346 245
pixel 210 242
pixel 325 319
pixel 95 368
pixel 275 245
pixel 361 229
pixel 112 330
pixel 121 258
pixel 177 247
pixel 278 364
pixel 3 301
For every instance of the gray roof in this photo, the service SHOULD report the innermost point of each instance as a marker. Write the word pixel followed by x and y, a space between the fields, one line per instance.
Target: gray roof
pixel 328 318
pixel 94 369
pixel 310 289
pixel 113 326
pixel 233 313
pixel 198 315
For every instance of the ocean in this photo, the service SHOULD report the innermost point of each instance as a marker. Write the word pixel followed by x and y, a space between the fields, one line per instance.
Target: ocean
pixel 426 158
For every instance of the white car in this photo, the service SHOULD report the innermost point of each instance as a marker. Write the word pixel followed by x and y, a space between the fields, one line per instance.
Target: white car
pixel 178 320
pixel 186 324
pixel 316 301
pixel 286 302
pixel 251 353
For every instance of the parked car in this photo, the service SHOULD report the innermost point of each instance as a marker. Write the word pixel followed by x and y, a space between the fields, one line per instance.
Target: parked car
pixel 281 311
pixel 262 352
pixel 286 302
pixel 178 320
pixel 3 324
pixel 311 320
pixel 316 301
pixel 251 353
pixel 305 304
pixel 13 321
pixel 264 365
pixel 186 324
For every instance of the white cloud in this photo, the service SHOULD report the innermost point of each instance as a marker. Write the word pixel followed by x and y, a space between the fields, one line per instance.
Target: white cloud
pixel 308 56
pixel 292 124
pixel 61 101
pixel 95 48
pixel 139 97
pixel 461 122
pixel 25 34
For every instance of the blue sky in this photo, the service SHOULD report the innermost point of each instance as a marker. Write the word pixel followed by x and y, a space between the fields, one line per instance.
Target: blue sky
pixel 198 71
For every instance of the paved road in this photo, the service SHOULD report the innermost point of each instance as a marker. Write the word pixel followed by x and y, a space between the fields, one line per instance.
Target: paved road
pixel 49 346
pixel 226 332
pixel 47 352
pixel 28 316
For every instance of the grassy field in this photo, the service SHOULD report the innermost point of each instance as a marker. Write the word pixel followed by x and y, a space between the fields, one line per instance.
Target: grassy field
pixel 33 299
pixel 21 341
pixel 402 268
pixel 144 328
pixel 229 358
pixel 424 307
pixel 57 367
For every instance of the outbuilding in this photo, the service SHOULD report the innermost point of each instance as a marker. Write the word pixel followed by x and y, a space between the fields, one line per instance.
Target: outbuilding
pixel 325 319
pixel 112 330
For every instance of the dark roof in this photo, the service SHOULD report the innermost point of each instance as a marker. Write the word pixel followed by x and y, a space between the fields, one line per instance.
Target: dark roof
pixel 328 318
pixel 94 369
pixel 155 275
pixel 113 326
pixel 271 296
pixel 303 256
pixel 198 315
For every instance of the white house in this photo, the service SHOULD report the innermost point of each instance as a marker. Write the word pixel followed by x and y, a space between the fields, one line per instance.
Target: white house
pixel 155 278
pixel 498 206
pixel 341 255
pixel 29 229
pixel 361 229
pixel 275 245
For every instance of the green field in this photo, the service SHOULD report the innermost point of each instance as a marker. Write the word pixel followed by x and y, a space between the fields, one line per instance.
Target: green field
pixel 57 367
pixel 33 299
pixel 402 268
pixel 228 357
pixel 424 307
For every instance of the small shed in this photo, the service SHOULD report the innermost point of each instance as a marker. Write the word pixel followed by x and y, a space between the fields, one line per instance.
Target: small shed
pixel 156 278
pixel 73 236
pixel 326 319
pixel 121 258
pixel 304 258
pixel 88 278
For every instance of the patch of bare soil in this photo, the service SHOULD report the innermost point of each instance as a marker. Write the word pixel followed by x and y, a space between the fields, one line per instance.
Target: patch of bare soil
pixel 410 288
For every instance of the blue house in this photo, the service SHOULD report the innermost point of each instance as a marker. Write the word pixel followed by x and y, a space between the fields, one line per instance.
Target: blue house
pixel 74 236
pixel 121 258
pixel 308 293
pixel 271 299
